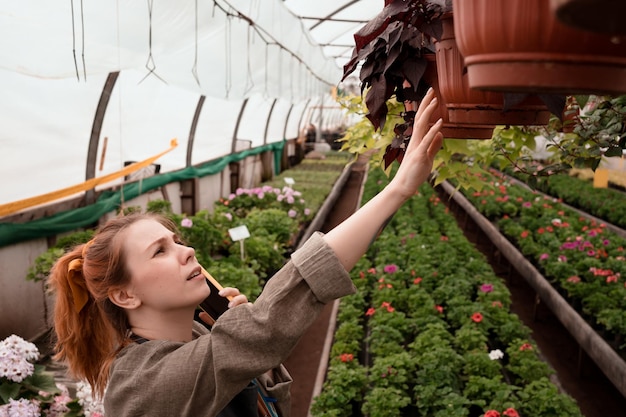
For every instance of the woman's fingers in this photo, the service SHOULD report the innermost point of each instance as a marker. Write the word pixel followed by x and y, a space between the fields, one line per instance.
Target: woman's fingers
pixel 237 300
pixel 235 297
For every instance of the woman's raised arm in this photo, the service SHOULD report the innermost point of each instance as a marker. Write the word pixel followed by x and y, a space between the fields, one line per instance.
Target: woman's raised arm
pixel 351 239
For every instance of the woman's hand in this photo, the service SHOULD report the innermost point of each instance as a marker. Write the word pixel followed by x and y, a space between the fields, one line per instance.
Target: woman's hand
pixel 236 298
pixel 419 157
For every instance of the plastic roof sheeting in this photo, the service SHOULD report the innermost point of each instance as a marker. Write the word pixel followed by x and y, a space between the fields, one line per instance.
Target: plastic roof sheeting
pixel 263 56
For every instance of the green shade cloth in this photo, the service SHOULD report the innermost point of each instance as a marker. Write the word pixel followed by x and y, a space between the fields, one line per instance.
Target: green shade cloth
pixel 12 233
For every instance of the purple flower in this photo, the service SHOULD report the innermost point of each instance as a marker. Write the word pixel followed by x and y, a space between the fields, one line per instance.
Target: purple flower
pixel 186 222
pixel 390 269
pixel 486 287
pixel 570 245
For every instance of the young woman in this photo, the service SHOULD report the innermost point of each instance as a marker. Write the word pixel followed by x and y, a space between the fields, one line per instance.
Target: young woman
pixel 124 313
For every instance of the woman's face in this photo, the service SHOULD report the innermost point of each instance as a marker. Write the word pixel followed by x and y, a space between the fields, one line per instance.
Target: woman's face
pixel 165 274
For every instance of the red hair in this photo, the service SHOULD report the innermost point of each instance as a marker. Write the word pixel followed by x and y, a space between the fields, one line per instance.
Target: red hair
pixel 89 339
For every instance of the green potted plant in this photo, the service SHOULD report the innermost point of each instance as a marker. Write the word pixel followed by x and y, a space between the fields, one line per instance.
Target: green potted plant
pixel 398 50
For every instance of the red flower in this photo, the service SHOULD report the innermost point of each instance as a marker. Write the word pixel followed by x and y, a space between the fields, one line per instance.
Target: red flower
pixel 388 306
pixel 346 357
pixel 439 309
pixel 417 280
pixel 370 311
pixel 492 413
pixel 477 317
pixel 496 304
pixel 526 346
pixel 510 412
pixel 524 234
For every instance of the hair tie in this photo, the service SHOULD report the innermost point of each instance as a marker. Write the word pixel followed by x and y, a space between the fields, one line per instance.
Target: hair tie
pixel 76 280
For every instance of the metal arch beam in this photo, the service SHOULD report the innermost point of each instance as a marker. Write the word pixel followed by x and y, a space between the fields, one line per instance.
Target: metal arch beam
pixel 96 129
pixel 306 106
pixel 269 118
pixel 193 128
pixel 345 6
pixel 287 122
pixel 233 146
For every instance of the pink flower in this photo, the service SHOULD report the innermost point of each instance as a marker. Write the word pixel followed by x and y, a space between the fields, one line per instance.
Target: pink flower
pixel 388 306
pixel 477 317
pixel 573 279
pixel 186 222
pixel 346 357
pixel 292 213
pixel 544 256
pixel 510 412
pixel 486 288
pixel 390 269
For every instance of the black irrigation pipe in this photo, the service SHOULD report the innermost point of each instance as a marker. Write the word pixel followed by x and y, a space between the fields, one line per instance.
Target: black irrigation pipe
pixel 611 364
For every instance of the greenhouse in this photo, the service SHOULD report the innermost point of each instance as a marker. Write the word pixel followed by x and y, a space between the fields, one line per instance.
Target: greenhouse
pixel 347 208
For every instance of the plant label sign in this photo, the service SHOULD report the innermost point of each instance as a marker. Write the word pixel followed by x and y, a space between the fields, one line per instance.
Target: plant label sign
pixel 239 233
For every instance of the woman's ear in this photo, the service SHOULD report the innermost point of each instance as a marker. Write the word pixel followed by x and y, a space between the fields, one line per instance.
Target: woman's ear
pixel 124 299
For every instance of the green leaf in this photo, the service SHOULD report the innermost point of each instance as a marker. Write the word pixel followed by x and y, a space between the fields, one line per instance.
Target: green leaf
pixel 9 390
pixel 41 380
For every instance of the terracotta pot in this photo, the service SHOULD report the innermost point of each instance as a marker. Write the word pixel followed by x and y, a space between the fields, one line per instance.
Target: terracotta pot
pixel 449 129
pixel 601 16
pixel 472 106
pixel 519 46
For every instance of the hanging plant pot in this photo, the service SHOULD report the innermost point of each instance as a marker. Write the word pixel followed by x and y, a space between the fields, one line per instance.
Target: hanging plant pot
pixel 601 16
pixel 519 46
pixel 450 129
pixel 472 106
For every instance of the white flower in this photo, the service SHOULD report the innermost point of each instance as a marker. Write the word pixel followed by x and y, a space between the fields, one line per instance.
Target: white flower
pixel 20 346
pixel 15 354
pixel 20 408
pixel 496 354
pixel 92 405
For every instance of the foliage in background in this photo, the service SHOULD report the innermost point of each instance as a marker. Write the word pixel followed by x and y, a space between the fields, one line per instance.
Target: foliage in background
pixel 594 128
pixel 580 257
pixel 581 141
pixel 431 329
pixel 455 160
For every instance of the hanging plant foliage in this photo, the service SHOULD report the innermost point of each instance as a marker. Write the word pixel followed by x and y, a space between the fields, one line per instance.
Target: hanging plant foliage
pixel 392 47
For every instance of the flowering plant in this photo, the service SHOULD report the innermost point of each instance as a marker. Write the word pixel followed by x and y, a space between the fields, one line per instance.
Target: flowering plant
pixel 27 388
